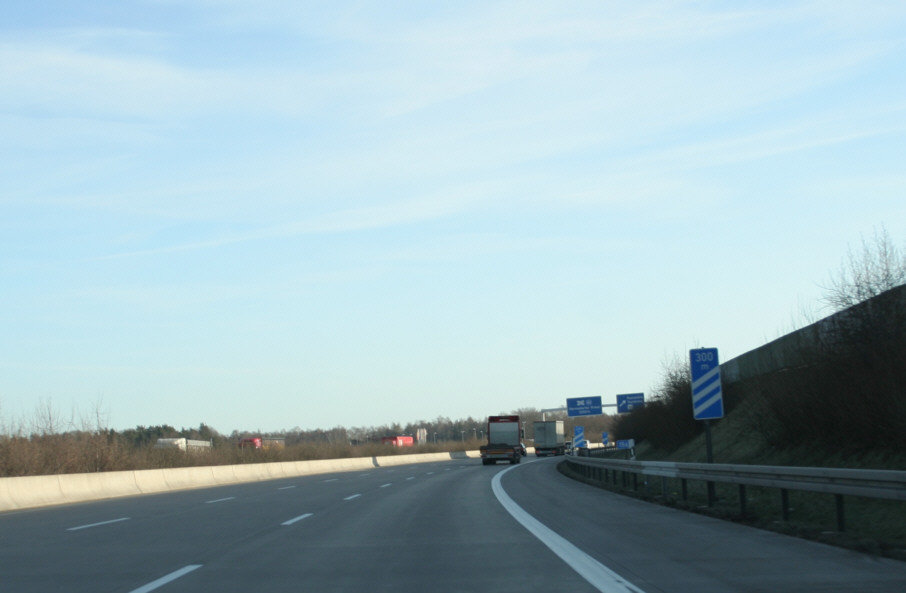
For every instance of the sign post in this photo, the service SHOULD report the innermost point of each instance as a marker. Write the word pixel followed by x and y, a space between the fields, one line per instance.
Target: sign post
pixel 707 397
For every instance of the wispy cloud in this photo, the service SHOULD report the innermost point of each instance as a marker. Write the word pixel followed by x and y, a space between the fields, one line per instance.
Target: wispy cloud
pixel 359 219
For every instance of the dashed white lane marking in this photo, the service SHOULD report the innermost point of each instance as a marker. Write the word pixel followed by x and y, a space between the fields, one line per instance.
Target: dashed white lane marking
pixel 599 576
pixel 351 497
pixel 286 487
pixel 97 524
pixel 220 500
pixel 385 485
pixel 331 480
pixel 410 478
pixel 295 519
pixel 166 579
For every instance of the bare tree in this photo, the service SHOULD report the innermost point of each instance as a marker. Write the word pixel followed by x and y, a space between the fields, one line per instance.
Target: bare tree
pixel 876 268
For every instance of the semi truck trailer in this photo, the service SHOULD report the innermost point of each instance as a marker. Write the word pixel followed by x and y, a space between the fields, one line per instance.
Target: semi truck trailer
pixel 504 440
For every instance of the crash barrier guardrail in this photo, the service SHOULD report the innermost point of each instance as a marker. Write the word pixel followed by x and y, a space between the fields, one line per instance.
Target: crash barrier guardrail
pixel 869 483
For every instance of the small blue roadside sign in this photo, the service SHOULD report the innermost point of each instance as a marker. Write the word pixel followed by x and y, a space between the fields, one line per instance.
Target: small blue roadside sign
pixel 605 438
pixel 707 396
pixel 579 437
pixel 584 406
pixel 629 401
pixel 626 444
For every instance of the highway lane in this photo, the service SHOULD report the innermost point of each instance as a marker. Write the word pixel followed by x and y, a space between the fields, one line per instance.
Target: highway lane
pixel 432 525
pixel 438 526
pixel 659 549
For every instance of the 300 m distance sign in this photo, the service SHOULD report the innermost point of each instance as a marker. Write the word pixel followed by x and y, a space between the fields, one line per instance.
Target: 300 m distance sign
pixel 707 396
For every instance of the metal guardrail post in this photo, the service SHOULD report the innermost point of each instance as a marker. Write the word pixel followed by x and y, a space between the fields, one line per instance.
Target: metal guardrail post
pixel 742 499
pixel 785 504
pixel 841 524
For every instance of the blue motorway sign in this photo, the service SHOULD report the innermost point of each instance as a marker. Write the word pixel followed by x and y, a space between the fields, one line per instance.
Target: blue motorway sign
pixel 584 406
pixel 629 401
pixel 707 396
pixel 579 437
pixel 605 438
pixel 626 444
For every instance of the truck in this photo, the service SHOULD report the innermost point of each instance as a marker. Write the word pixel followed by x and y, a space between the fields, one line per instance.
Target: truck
pixel 262 443
pixel 183 444
pixel 550 439
pixel 398 441
pixel 504 440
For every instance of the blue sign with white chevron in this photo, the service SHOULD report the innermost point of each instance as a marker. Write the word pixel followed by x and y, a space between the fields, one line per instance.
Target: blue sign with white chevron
pixel 579 437
pixel 707 396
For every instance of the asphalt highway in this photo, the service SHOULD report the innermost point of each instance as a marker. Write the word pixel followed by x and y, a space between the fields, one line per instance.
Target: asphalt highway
pixel 441 527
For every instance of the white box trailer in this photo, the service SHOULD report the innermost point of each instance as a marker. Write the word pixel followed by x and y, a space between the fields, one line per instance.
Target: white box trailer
pixel 550 438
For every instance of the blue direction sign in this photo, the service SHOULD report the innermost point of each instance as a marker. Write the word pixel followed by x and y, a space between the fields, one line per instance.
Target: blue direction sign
pixel 628 401
pixel 707 397
pixel 584 406
pixel 579 437
pixel 605 438
pixel 626 444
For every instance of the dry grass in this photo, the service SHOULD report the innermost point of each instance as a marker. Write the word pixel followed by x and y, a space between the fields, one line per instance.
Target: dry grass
pixel 85 452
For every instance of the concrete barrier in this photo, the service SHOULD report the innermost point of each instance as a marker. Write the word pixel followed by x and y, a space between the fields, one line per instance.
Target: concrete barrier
pixel 37 491
pixel 81 487
pixel 30 491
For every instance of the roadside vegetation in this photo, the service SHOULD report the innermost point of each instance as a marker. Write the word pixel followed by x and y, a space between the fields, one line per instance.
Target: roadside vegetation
pixel 54 444
pixel 842 404
pixel 840 391
pixel 44 450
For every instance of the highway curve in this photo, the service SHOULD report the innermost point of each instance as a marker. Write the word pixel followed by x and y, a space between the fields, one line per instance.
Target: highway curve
pixel 440 527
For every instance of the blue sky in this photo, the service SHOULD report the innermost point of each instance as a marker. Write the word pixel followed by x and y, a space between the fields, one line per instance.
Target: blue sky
pixel 271 214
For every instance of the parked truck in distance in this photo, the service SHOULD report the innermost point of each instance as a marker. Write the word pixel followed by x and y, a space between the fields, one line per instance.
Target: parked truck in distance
pixel 262 443
pixel 504 440
pixel 550 439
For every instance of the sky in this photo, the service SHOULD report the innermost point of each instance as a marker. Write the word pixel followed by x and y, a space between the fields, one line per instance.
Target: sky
pixel 279 214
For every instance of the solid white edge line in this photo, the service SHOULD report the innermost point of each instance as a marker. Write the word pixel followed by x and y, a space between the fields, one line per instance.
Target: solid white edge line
pixel 97 524
pixel 599 576
pixel 166 579
pixel 299 518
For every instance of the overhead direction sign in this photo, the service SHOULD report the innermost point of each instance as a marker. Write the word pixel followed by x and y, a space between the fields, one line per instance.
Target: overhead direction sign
pixel 629 401
pixel 584 406
pixel 707 395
